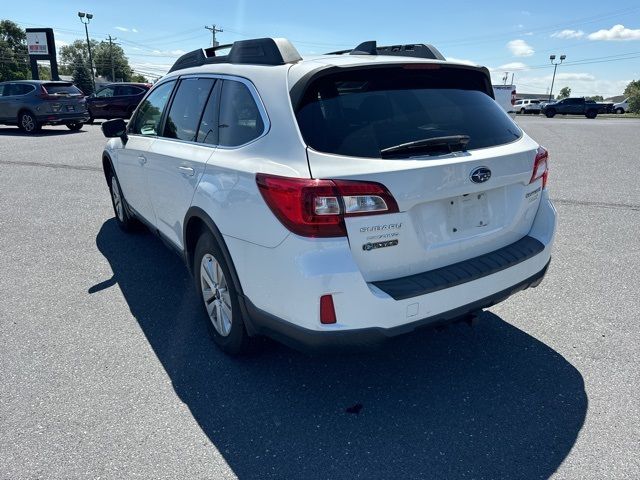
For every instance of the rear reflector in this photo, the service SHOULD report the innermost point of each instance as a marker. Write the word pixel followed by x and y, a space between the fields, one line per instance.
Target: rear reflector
pixel 317 208
pixel 540 167
pixel 327 312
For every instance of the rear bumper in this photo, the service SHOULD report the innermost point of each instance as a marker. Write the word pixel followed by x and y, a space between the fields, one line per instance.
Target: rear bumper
pixel 63 118
pixel 295 336
pixel 282 287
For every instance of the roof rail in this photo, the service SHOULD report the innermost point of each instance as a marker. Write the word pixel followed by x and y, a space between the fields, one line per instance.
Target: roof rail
pixel 258 51
pixel 415 50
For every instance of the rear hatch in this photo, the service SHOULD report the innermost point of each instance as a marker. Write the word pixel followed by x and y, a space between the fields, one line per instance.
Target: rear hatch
pixel 63 97
pixel 458 167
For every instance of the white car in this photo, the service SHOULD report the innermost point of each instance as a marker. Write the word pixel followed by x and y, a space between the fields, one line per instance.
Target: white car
pixel 622 106
pixel 527 106
pixel 337 200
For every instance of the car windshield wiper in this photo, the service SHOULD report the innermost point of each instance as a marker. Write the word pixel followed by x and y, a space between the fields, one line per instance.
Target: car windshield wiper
pixel 450 143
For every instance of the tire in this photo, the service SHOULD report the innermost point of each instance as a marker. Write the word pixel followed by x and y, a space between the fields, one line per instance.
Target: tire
pixel 27 122
pixel 591 114
pixel 74 127
pixel 91 120
pixel 620 110
pixel 125 220
pixel 219 297
pixel 550 113
pixel 522 111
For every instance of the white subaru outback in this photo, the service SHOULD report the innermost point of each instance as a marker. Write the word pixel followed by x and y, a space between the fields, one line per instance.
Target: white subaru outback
pixel 336 200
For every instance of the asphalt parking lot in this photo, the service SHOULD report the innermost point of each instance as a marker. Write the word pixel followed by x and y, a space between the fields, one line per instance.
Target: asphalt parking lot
pixel 107 371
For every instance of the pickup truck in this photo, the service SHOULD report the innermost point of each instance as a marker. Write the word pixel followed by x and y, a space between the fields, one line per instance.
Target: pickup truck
pixel 576 106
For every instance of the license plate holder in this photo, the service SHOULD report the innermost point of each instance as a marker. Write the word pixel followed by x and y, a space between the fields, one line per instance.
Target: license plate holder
pixel 469 211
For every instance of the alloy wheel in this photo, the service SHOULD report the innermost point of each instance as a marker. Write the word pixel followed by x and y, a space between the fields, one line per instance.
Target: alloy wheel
pixel 117 199
pixel 215 294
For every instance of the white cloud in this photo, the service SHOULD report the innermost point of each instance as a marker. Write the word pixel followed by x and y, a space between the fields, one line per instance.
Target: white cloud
pixel 513 66
pixel 520 48
pixel 526 13
pixel 528 34
pixel 167 53
pixel 461 60
pixel 568 34
pixel 125 29
pixel 575 76
pixel 617 32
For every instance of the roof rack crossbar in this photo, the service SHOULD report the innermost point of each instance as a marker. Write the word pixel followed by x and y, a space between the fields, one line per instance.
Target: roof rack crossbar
pixel 415 50
pixel 258 51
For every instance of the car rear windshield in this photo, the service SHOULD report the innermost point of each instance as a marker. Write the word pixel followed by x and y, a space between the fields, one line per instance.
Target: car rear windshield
pixel 62 89
pixel 535 101
pixel 361 112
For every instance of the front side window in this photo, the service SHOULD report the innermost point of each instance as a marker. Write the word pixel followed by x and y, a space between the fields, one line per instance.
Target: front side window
pixel 186 108
pixel 105 92
pixel 240 120
pixel 149 114
pixel 361 112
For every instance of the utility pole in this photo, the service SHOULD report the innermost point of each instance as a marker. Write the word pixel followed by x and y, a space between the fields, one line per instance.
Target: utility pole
pixel 113 69
pixel 213 31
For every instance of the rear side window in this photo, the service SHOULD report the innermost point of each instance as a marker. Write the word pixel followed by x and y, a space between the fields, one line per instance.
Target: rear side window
pixel 186 108
pixel 361 112
pixel 240 120
pixel 62 89
pixel 149 114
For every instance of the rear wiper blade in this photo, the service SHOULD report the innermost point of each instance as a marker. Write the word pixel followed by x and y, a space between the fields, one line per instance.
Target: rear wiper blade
pixel 450 143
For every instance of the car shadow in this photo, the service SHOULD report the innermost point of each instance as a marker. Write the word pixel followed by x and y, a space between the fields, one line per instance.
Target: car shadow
pixel 488 401
pixel 44 132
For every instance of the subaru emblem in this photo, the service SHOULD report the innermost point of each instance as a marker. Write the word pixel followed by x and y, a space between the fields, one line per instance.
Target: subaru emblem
pixel 480 175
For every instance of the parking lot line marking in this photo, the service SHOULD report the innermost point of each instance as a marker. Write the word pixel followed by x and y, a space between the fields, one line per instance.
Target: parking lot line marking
pixel 51 165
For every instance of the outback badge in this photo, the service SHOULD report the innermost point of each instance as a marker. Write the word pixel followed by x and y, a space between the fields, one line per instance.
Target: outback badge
pixel 373 245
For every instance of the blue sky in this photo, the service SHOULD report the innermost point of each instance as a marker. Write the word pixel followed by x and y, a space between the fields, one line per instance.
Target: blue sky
pixel 601 39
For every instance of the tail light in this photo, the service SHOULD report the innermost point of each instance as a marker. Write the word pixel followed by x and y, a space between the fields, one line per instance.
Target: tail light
pixel 540 167
pixel 317 208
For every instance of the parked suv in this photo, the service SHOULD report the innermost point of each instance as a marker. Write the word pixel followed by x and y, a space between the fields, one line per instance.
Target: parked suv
pixel 30 104
pixel 334 201
pixel 527 106
pixel 116 100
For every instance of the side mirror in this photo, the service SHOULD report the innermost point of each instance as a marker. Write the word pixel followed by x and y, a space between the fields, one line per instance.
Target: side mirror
pixel 115 128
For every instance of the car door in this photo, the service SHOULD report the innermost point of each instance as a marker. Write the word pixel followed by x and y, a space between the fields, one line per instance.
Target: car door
pixel 178 157
pixel 121 101
pixel 132 158
pixel 99 103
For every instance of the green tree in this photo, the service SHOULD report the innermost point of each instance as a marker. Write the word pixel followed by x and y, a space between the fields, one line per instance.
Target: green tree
pixel 565 92
pixel 632 92
pixel 136 77
pixel 14 58
pixel 596 98
pixel 82 78
pixel 102 53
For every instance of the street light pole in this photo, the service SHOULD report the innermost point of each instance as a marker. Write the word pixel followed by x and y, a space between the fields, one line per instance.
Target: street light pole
pixel 88 16
pixel 555 67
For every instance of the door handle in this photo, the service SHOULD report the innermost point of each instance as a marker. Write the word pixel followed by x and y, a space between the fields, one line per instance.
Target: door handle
pixel 142 159
pixel 186 170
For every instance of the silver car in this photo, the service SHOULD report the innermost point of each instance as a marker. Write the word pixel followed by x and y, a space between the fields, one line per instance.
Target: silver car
pixel 30 104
